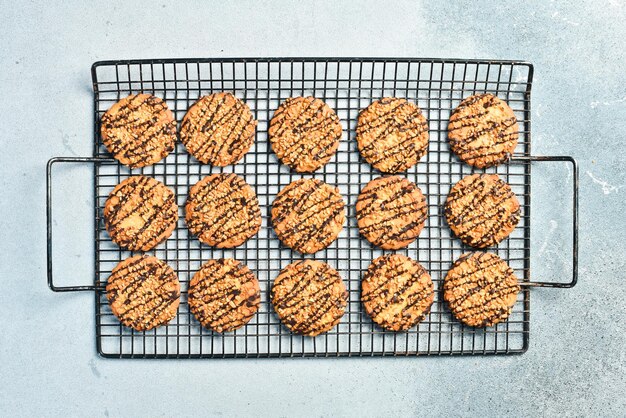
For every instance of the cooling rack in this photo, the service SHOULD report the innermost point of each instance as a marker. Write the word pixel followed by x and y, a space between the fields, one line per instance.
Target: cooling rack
pixel 347 85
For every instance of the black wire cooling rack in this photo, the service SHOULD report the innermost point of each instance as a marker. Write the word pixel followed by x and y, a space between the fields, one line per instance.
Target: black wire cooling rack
pixel 347 85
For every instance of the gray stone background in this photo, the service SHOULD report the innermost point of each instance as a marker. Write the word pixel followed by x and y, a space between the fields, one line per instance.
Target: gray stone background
pixel 576 361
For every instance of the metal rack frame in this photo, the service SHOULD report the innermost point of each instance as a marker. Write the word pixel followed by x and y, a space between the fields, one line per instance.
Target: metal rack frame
pixel 347 85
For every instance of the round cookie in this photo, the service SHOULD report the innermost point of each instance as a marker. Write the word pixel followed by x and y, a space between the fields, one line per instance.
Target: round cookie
pixel 304 133
pixel 397 292
pixel 308 214
pixel 223 211
pixel 224 295
pixel 139 130
pixel 143 292
pixel 483 131
pixel 482 210
pixel 139 213
pixel 392 134
pixel 309 297
pixel 480 289
pixel 391 212
pixel 218 129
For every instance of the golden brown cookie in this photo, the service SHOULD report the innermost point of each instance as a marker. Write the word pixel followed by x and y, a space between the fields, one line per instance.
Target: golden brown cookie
pixel 397 292
pixel 304 133
pixel 308 214
pixel 139 130
pixel 309 297
pixel 392 134
pixel 480 289
pixel 223 211
pixel 139 213
pixel 218 129
pixel 482 210
pixel 143 292
pixel 391 212
pixel 224 295
pixel 483 131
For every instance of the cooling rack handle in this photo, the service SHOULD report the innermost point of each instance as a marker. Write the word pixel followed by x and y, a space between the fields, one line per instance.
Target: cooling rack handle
pixel 51 162
pixel 574 279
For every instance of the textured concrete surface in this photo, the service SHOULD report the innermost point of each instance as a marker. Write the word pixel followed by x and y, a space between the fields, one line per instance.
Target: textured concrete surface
pixel 576 361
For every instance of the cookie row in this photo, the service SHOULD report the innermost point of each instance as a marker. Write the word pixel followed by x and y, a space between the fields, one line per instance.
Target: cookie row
pixel 307 215
pixel 391 133
pixel 309 296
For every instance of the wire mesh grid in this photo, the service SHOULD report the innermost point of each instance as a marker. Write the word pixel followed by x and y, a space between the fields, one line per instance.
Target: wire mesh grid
pixel 347 85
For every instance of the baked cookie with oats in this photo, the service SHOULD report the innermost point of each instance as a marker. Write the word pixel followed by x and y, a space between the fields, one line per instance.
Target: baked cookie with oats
pixel 391 212
pixel 308 214
pixel 392 134
pixel 223 211
pixel 480 289
pixel 224 295
pixel 143 292
pixel 397 292
pixel 483 131
pixel 482 210
pixel 304 133
pixel 218 129
pixel 309 297
pixel 139 130
pixel 140 213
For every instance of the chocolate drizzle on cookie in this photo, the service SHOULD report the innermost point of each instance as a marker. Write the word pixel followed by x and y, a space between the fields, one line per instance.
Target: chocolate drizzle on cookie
pixel 307 215
pixel 304 133
pixel 397 292
pixel 140 213
pixel 481 289
pixel 482 210
pixel 392 134
pixel 223 210
pixel 224 295
pixel 218 129
pixel 391 212
pixel 309 297
pixel 483 131
pixel 143 292
pixel 139 130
